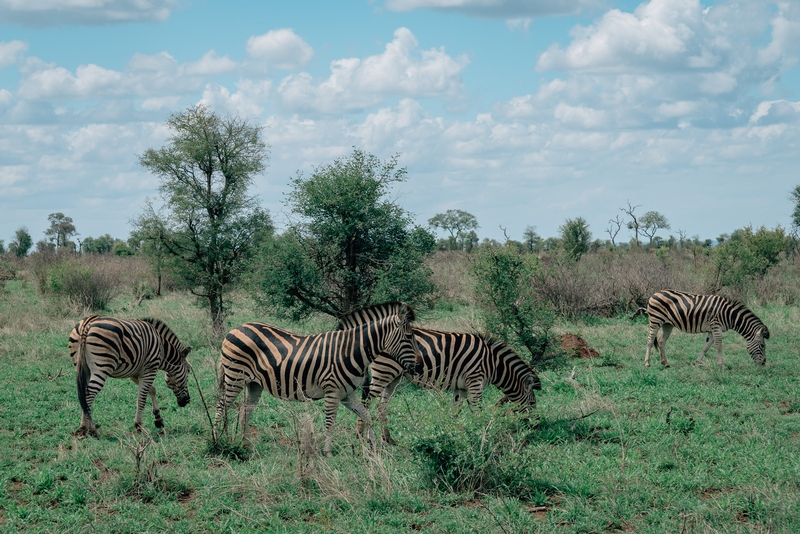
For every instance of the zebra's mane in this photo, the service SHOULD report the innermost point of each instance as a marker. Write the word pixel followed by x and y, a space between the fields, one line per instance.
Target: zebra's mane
pixel 740 306
pixel 162 328
pixel 376 311
pixel 489 339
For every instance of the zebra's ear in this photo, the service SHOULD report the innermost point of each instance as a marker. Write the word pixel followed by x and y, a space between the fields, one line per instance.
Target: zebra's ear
pixel 764 332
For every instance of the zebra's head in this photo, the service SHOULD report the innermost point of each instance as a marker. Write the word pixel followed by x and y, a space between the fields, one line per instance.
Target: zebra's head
pixel 177 376
pixel 397 338
pixel 757 345
pixel 524 394
pixel 401 345
pixel 516 379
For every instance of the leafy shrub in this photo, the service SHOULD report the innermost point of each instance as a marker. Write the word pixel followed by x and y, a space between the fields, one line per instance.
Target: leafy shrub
pixel 510 309
pixel 83 286
pixel 7 270
pixel 747 256
pixel 487 454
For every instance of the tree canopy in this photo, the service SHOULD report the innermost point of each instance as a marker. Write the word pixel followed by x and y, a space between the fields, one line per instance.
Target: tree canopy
pixel 461 226
pixel 210 226
pixel 350 246
pixel 21 243
pixel 61 230
pixel 575 237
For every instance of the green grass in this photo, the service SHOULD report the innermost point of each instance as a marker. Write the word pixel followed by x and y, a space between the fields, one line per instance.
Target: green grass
pixel 620 448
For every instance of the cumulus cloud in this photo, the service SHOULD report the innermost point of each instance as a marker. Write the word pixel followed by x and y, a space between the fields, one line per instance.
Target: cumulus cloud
pixel 10 52
pixel 248 101
pixel 210 64
pixel 281 49
pixel 60 12
pixel 667 61
pixel 356 83
pixel 502 9
pixel 147 76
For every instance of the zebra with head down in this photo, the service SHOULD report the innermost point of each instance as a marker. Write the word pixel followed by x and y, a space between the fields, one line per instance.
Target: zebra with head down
pixel 102 347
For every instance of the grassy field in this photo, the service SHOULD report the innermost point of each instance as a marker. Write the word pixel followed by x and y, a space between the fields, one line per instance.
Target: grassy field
pixel 619 448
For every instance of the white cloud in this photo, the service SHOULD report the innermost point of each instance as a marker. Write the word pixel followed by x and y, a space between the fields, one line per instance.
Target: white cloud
pixel 580 116
pixel 361 83
pixel 503 9
pixel 656 35
pixel 147 76
pixel 281 49
pixel 248 101
pixel 210 64
pixel 717 83
pixel 60 12
pixel 11 51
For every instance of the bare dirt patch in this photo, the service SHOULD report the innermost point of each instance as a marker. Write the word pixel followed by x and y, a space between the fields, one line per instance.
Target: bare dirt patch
pixel 577 347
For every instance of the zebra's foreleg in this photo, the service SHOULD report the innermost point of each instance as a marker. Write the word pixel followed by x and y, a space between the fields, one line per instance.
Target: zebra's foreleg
pixel 383 408
pixel 331 408
pixel 145 383
pixel 361 411
pixel 159 422
pixel 706 346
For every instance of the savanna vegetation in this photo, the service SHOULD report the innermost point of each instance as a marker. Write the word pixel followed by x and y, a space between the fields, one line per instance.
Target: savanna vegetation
pixel 612 445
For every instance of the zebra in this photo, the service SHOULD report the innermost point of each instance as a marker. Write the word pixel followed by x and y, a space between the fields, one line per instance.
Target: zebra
pixel 464 363
pixel 326 366
pixel 712 314
pixel 102 346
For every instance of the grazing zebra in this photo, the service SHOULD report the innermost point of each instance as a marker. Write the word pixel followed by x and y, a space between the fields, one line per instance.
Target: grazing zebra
pixel 105 346
pixel 703 313
pixel 330 365
pixel 465 363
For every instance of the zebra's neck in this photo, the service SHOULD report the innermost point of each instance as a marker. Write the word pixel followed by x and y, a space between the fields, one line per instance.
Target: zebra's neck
pixel 367 341
pixel 741 320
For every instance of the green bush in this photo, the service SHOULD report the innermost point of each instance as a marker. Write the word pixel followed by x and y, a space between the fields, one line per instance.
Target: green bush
pixel 747 256
pixel 82 285
pixel 486 455
pixel 509 307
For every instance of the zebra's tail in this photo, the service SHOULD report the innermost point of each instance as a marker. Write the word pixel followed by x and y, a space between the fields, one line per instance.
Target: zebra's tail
pixel 84 374
pixel 220 378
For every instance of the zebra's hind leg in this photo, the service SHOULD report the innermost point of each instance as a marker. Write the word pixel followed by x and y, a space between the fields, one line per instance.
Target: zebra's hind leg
pixel 251 397
pixel 94 385
pixel 651 340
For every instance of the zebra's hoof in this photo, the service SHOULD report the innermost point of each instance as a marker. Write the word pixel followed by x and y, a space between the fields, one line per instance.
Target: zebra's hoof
pixel 159 423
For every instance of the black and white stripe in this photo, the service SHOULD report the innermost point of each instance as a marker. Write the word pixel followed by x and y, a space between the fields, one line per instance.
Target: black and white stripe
pixel 102 347
pixel 330 365
pixel 712 314
pixel 464 363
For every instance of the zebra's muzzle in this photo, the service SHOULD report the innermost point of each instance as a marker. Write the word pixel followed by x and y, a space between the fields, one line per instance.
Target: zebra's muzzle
pixel 183 400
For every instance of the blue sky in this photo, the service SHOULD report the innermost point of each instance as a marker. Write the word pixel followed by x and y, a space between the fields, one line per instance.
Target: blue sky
pixel 521 112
